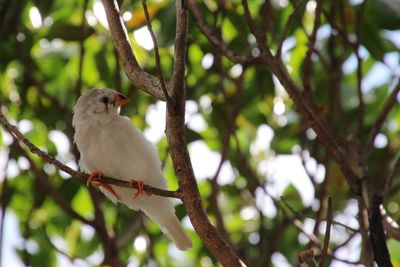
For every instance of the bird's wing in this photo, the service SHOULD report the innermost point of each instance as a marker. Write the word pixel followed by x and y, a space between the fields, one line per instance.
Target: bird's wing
pixel 129 155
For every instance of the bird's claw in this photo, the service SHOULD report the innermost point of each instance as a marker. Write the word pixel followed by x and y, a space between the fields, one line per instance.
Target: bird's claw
pixel 140 188
pixel 90 178
pixel 100 184
pixel 110 189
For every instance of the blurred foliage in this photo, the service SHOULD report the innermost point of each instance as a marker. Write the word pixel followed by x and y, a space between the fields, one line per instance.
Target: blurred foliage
pixel 40 54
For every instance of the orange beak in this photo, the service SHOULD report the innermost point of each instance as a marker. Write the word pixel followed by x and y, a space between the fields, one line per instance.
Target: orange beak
pixel 120 100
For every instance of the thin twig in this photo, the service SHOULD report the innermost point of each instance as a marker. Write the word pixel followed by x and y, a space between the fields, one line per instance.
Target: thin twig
pixel 58 250
pixel 335 104
pixel 389 180
pixel 307 69
pixel 255 184
pixel 324 253
pixel 29 72
pixel 117 70
pixel 301 215
pixel 141 79
pixel 361 105
pixel 348 262
pixel 215 190
pixel 81 49
pixel 340 31
pixel 131 231
pixel 311 176
pixel 260 37
pixel 342 7
pixel 48 187
pixel 307 259
pixel 309 111
pixel 391 227
pixel 156 52
pixel 288 23
pixel 18 135
pixel 231 114
pixel 294 220
pixel 376 128
pixel 351 236
pixel 211 36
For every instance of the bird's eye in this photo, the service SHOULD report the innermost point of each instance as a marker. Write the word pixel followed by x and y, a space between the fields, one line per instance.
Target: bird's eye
pixel 104 100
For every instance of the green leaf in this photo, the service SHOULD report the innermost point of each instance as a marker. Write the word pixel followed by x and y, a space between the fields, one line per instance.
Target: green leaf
pixel 82 202
pixel 191 135
pixel 68 32
pixel 383 14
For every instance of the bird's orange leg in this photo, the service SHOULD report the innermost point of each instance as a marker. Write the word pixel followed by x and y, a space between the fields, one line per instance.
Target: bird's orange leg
pixel 97 184
pixel 111 190
pixel 140 189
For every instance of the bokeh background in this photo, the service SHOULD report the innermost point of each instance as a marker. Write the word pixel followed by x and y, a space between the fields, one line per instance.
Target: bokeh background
pixel 263 176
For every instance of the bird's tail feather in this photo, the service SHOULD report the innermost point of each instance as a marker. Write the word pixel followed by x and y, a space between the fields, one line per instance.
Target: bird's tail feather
pixel 177 234
pixel 172 227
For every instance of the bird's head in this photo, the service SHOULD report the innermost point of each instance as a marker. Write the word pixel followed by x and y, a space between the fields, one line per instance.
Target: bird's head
pixel 98 105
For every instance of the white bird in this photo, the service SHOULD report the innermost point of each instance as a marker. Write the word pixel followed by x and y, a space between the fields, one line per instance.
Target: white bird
pixel 110 145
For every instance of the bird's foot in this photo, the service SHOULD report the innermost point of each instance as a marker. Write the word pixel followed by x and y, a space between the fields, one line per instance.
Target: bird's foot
pixel 91 176
pixel 140 188
pixel 100 184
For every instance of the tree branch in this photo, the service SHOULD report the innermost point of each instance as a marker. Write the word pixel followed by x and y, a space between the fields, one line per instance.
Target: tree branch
pixel 288 23
pixel 255 183
pixel 141 79
pixel 342 33
pixel 361 105
pixel 213 198
pixel 35 150
pixel 212 38
pixel 47 186
pixel 389 179
pixel 327 232
pixel 307 108
pixel 30 77
pixel 377 234
pixel 306 105
pixel 132 230
pixel 307 259
pixel 180 155
pixel 156 52
pixel 177 85
pixel 391 227
pixel 107 236
pixel 351 236
pixel 58 250
pixel 367 254
pixel 376 128
pixel 307 66
pixel 260 37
